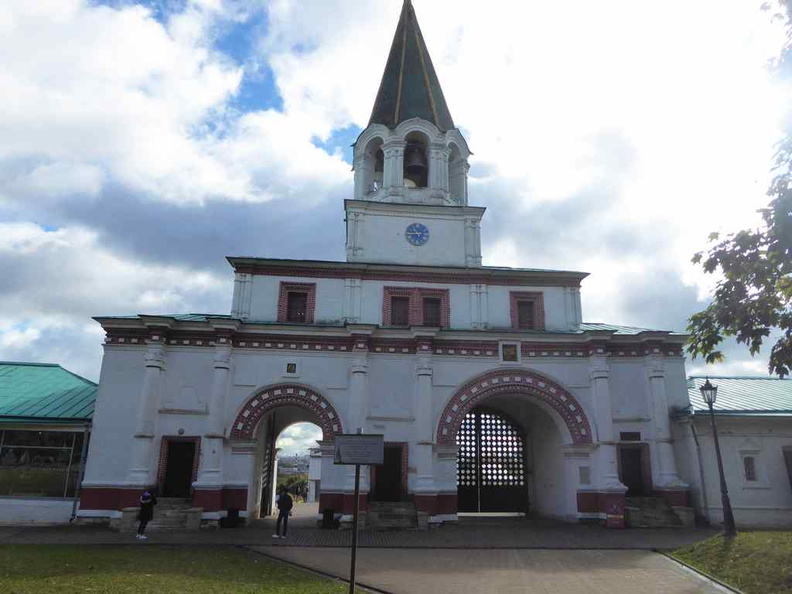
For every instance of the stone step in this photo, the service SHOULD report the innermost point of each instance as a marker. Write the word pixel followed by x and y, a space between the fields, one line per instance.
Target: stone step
pixel 392 516
pixel 650 512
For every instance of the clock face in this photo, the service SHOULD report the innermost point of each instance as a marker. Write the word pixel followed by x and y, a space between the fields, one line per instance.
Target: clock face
pixel 417 234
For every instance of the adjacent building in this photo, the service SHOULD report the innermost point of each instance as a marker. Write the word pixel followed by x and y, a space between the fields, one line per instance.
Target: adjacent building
pixel 45 422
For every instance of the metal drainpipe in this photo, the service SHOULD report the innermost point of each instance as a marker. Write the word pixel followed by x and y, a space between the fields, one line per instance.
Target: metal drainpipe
pixel 701 469
pixel 86 433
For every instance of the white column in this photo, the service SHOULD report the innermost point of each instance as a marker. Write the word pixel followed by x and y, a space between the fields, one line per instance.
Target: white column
pixel 210 472
pixel 358 405
pixel 607 468
pixel 393 169
pixel 243 284
pixel 352 296
pixel 354 244
pixel 667 476
pixel 139 472
pixel 472 242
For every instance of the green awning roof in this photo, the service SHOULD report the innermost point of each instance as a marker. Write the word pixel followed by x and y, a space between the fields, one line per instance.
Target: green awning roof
pixel 44 392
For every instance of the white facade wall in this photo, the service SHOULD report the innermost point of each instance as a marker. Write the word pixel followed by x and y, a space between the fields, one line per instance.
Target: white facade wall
pixel 35 511
pixel 337 301
pixel 391 408
pixel 766 502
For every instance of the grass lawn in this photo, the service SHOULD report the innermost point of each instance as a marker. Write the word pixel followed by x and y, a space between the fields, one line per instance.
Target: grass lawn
pixel 142 569
pixel 757 562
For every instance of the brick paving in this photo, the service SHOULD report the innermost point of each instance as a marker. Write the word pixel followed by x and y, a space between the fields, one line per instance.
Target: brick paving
pixel 444 571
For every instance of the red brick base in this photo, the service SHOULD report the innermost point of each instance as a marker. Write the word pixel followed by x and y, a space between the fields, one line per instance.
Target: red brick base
pixel 611 505
pixel 436 503
pixel 342 503
pixel 113 499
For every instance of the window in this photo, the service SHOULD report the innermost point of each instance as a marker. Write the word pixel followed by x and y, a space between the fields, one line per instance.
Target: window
pixel 749 468
pixel 296 307
pixel 296 303
pixel 525 315
pixel 527 310
pixel 630 436
pixel 431 311
pixel 39 463
pixel 408 306
pixel 510 352
pixel 400 311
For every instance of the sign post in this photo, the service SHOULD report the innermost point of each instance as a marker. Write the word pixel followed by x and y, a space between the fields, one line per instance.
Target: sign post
pixel 357 449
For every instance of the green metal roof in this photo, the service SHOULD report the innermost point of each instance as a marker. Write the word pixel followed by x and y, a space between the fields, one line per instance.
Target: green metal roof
pixel 744 395
pixel 619 330
pixel 45 392
pixel 409 86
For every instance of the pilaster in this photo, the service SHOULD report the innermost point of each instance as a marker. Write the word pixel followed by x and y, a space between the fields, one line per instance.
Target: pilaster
pixel 472 242
pixel 423 456
pixel 154 358
pixel 667 477
pixel 607 466
pixel 393 173
pixel 210 471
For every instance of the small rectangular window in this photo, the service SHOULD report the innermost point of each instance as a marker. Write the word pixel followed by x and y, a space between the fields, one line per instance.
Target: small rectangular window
pixel 431 311
pixel 749 466
pixel 525 315
pixel 400 311
pixel 296 306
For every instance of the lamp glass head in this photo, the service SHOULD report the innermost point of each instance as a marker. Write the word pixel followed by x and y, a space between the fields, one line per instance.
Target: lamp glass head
pixel 709 392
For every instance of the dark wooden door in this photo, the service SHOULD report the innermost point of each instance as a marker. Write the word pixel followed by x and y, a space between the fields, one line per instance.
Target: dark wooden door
pixel 388 477
pixel 178 469
pixel 631 471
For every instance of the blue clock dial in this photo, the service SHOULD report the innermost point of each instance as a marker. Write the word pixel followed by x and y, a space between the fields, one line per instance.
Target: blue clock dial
pixel 417 234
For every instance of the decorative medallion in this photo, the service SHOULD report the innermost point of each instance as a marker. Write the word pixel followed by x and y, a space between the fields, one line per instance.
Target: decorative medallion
pixel 417 234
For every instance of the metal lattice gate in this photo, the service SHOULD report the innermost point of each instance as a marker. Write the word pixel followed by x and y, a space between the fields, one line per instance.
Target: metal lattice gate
pixel 491 473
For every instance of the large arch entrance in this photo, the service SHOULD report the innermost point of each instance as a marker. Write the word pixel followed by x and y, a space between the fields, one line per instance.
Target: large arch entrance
pixel 262 419
pixel 519 439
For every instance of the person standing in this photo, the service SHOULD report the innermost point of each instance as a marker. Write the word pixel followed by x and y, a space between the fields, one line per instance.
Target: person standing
pixel 146 513
pixel 285 505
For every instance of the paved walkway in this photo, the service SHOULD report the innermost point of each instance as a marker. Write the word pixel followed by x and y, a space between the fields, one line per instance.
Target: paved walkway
pixel 409 571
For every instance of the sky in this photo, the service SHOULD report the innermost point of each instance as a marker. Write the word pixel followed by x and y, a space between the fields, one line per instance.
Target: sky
pixel 142 142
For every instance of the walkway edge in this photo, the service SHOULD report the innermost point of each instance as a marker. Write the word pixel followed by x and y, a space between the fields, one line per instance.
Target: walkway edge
pixel 319 572
pixel 703 574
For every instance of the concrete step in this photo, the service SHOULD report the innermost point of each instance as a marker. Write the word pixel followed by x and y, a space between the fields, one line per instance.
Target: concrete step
pixel 392 516
pixel 650 512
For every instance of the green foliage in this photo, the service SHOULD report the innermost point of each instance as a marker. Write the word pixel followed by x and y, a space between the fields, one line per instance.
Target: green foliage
pixel 753 297
pixel 756 562
pixel 295 484
pixel 150 569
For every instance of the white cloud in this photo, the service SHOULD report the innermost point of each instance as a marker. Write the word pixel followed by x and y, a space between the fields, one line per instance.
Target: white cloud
pixel 608 137
pixel 298 438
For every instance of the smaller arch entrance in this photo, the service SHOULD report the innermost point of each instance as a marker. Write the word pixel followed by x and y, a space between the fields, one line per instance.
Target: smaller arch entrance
pixel 491 465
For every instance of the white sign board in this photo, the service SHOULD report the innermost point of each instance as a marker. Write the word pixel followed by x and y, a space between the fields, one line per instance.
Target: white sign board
pixel 353 448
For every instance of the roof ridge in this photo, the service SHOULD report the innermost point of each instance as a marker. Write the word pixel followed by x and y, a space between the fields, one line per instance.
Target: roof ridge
pixel 31 364
pixel 738 377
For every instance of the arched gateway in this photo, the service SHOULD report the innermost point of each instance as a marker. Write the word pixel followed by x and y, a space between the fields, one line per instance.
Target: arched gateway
pixel 514 381
pixel 272 397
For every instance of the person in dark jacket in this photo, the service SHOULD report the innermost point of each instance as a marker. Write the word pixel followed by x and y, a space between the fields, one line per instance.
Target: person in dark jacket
pixel 147 502
pixel 285 505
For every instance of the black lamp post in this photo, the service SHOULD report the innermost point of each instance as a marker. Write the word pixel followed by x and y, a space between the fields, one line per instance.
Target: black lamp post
pixel 709 393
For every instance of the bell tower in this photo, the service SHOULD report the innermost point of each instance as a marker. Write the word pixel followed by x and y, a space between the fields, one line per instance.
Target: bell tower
pixel 411 168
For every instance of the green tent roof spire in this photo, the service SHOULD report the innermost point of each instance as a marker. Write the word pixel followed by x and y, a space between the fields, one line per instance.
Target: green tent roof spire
pixel 409 86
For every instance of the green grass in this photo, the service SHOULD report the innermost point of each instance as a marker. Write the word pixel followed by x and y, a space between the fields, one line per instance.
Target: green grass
pixel 143 569
pixel 757 562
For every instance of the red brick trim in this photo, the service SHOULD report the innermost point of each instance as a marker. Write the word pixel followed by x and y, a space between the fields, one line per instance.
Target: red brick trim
pixel 263 401
pixel 677 498
pixel 416 296
pixel 436 503
pixel 537 297
pixel 109 498
pixel 163 457
pixel 283 294
pixel 513 381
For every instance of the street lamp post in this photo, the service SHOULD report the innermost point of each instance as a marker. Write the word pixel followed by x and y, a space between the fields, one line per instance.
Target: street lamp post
pixel 709 393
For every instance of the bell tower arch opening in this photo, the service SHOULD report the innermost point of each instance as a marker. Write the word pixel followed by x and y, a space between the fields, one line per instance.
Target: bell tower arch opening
pixel 416 161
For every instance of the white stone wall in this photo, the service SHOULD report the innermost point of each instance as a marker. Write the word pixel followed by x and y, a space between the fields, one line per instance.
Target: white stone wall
pixel 35 511
pixel 766 502
pixel 362 301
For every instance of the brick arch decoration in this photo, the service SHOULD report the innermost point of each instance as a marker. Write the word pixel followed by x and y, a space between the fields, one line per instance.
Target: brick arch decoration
pixel 513 381
pixel 272 397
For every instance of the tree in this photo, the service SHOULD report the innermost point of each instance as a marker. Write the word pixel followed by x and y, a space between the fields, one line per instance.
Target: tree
pixel 753 298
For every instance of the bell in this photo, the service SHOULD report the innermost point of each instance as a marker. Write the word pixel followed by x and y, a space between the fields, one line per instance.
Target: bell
pixel 416 164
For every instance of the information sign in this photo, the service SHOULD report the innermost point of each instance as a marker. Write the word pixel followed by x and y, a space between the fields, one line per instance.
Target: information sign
pixel 351 449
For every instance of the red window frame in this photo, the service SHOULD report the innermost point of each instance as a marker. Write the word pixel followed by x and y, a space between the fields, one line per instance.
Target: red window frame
pixel 416 308
pixel 537 298
pixel 283 301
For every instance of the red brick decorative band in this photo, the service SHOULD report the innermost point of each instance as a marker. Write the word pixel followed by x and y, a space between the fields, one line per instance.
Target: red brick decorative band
pixel 514 381
pixel 258 405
